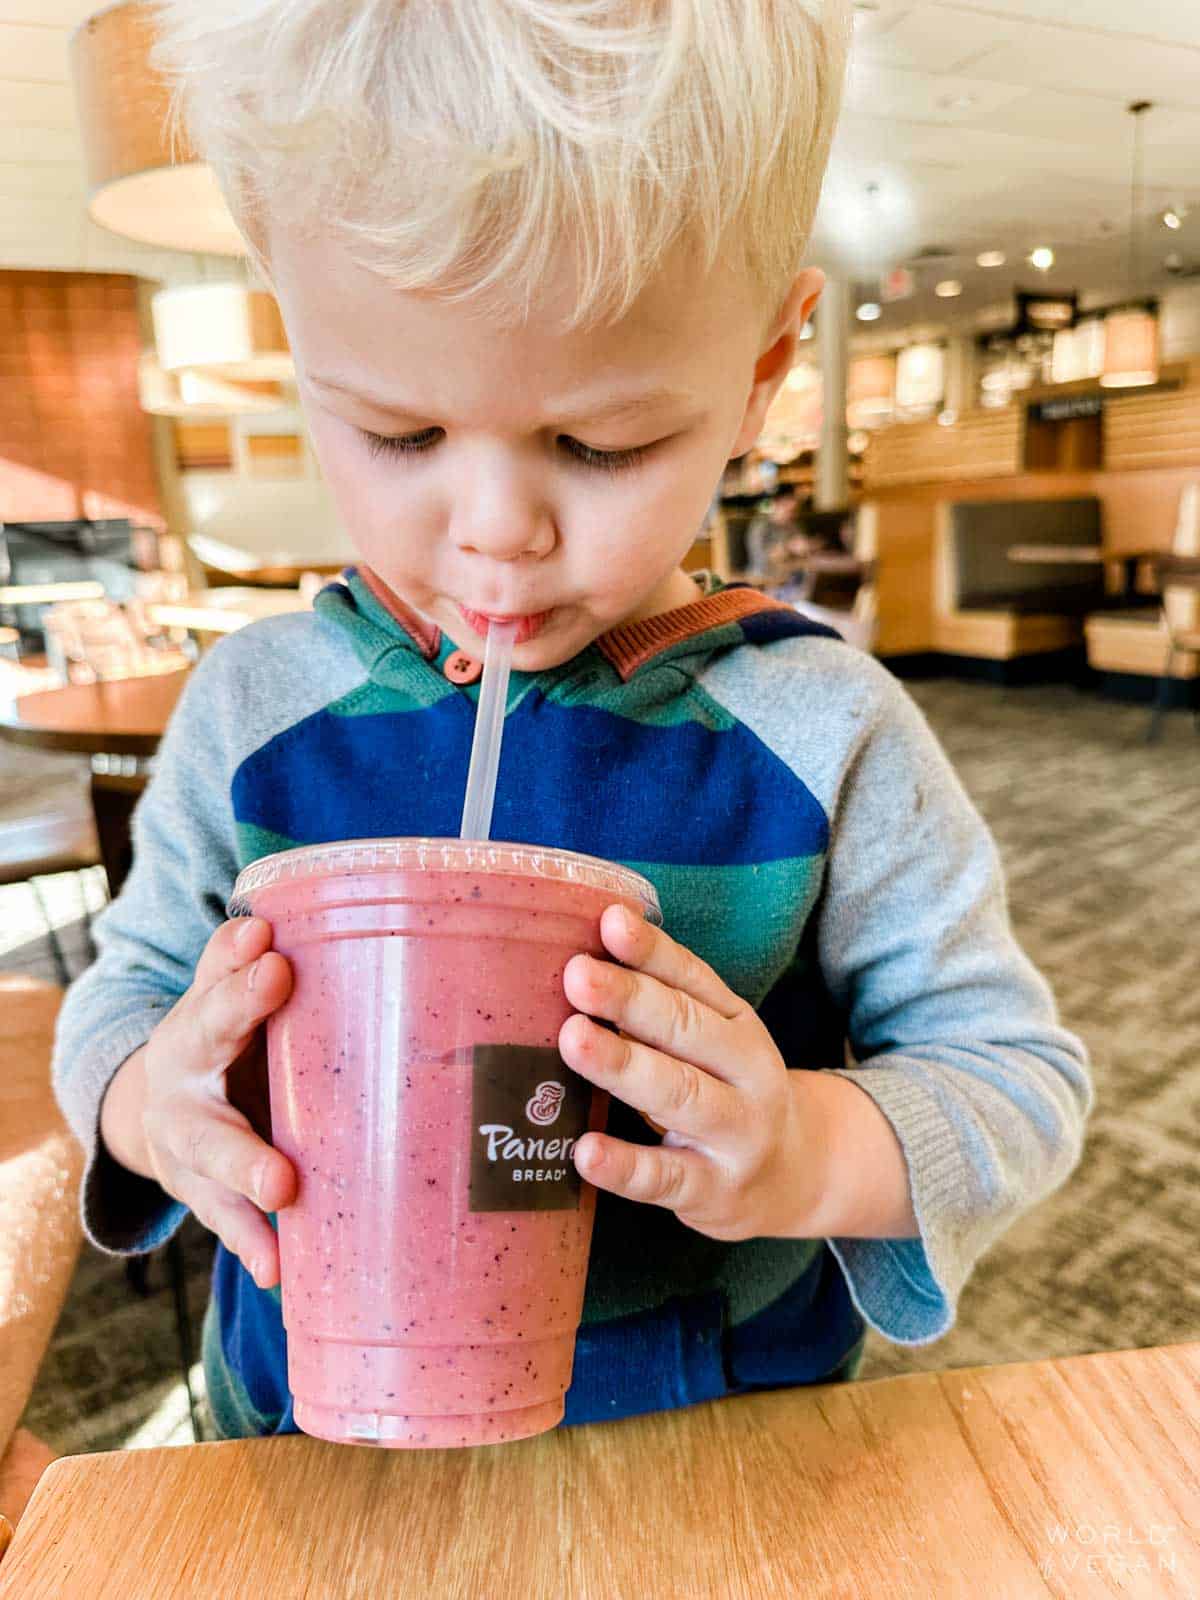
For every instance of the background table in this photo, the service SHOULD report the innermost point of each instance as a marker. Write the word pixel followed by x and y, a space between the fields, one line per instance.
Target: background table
pixel 126 717
pixel 993 1482
pixel 123 718
pixel 1130 562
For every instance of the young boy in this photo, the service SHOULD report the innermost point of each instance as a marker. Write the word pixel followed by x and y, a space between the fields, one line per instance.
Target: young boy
pixel 540 270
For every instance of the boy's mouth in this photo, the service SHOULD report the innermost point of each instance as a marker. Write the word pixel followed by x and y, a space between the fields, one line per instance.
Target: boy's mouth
pixel 527 627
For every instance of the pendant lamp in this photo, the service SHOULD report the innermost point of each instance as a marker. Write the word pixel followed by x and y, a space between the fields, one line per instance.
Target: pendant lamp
pixel 1131 334
pixel 228 330
pixel 137 186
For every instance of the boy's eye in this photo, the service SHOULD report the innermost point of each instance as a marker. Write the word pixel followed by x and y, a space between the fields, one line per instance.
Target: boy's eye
pixel 605 460
pixel 403 444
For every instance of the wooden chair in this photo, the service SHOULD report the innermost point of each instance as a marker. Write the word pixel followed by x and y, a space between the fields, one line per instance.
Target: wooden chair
pixel 35 847
pixel 40 1170
pixel 1179 584
pixel 1149 642
pixel 67 842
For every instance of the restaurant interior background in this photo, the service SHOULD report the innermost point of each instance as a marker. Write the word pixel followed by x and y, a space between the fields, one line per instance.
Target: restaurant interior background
pixel 985 465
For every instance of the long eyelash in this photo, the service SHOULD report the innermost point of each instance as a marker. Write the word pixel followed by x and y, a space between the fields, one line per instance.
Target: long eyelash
pixel 403 444
pixel 606 460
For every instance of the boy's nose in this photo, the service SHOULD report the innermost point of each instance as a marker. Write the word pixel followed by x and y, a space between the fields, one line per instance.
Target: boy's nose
pixel 503 518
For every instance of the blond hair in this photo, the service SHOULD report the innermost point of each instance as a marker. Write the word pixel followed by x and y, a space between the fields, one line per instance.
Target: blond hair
pixel 460 145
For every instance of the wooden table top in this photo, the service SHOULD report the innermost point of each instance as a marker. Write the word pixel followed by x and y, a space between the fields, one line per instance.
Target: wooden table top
pixel 225 610
pixel 123 717
pixel 1067 1478
pixel 1084 554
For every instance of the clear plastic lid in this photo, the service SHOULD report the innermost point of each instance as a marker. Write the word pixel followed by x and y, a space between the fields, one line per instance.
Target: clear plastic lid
pixel 442 855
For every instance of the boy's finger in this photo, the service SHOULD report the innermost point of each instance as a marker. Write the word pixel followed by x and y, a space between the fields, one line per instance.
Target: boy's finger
pixel 241 1227
pixel 234 945
pixel 222 1149
pixel 666 1018
pixel 221 1021
pixel 679 1180
pixel 637 943
pixel 672 1093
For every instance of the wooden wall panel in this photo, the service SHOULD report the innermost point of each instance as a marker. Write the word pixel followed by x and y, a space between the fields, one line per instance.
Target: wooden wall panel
pixel 982 444
pixel 1153 430
pixel 202 446
pixel 72 431
pixel 274 455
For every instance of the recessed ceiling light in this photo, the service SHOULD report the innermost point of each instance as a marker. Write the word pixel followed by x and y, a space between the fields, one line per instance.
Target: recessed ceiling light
pixel 948 289
pixel 869 311
pixel 1042 258
pixel 991 258
pixel 1173 218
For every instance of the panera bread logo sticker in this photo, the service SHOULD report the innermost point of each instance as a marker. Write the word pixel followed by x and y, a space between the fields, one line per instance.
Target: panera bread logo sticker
pixel 528 1112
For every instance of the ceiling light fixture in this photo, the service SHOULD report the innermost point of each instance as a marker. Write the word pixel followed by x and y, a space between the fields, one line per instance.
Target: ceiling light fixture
pixel 1131 335
pixel 188 393
pixel 1173 217
pixel 801 378
pixel 869 311
pixel 869 390
pixel 948 289
pixel 1042 258
pixel 225 329
pixel 921 377
pixel 138 186
pixel 991 258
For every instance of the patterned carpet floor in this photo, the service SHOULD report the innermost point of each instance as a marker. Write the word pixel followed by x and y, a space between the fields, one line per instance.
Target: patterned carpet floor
pixel 1100 836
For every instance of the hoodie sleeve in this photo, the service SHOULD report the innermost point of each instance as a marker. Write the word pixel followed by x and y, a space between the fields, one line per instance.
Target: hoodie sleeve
pixel 954 1033
pixel 148 942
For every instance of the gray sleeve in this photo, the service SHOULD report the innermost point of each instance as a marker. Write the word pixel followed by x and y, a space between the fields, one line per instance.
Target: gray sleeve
pixel 148 942
pixel 954 1032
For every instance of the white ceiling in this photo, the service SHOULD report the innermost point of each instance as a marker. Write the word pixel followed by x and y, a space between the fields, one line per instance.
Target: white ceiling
pixel 978 123
pixel 1003 124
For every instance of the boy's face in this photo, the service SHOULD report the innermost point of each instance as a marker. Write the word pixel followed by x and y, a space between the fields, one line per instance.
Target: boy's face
pixel 507 493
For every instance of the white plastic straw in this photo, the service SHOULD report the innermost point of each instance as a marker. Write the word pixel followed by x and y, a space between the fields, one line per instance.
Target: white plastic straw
pixel 489 731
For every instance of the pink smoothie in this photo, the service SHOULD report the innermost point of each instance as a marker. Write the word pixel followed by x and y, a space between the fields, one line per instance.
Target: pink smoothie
pixel 434 1261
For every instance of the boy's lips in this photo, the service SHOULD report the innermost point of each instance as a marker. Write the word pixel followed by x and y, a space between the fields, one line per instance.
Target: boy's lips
pixel 527 626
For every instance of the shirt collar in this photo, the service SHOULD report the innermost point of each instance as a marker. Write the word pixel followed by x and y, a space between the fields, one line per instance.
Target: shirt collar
pixel 628 647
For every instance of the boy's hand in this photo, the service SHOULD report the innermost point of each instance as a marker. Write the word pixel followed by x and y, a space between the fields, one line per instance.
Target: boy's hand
pixel 168 1112
pixel 740 1158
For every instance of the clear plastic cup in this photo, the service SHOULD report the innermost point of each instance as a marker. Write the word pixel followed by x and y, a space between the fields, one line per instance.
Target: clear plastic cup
pixel 433 1263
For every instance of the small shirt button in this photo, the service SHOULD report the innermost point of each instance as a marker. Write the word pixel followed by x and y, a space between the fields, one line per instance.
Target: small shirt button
pixel 461 668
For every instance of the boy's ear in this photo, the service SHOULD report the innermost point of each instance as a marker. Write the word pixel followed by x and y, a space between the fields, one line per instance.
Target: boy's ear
pixel 775 362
